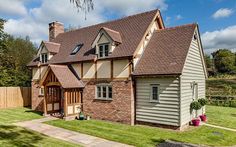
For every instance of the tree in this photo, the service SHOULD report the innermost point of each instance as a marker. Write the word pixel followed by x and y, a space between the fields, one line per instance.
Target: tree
pixel 15 54
pixel 208 61
pixel 224 61
pixel 83 5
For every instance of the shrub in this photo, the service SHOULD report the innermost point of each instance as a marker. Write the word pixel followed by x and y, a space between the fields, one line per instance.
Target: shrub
pixel 202 101
pixel 195 105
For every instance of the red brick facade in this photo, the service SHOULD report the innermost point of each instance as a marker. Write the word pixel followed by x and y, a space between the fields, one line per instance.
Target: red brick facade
pixel 119 109
pixel 37 100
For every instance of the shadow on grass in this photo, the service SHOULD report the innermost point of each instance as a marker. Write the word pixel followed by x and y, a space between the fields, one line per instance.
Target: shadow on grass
pixel 36 112
pixel 17 136
pixel 157 141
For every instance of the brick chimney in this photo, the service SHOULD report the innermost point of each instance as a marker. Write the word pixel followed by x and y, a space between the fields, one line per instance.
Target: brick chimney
pixel 55 28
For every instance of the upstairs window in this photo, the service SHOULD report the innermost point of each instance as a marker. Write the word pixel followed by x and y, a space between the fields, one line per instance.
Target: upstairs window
pixel 104 92
pixel 44 58
pixel 103 50
pixel 76 49
pixel 154 93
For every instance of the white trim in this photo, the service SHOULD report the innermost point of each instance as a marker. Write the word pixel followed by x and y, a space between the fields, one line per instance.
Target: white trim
pixel 158 92
pixel 103 50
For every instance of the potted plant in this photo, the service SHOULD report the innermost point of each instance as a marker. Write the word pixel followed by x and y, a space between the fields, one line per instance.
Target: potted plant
pixel 81 116
pixel 195 105
pixel 203 102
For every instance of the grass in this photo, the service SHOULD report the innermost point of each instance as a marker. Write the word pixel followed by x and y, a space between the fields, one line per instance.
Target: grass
pixel 221 116
pixel 144 136
pixel 17 114
pixel 13 136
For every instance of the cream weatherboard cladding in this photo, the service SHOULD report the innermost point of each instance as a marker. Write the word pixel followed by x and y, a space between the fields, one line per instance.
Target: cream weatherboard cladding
pixel 166 111
pixel 193 71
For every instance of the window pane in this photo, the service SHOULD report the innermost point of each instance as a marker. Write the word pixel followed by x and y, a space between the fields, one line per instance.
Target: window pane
pixel 46 58
pixel 106 50
pixel 42 56
pixel 98 91
pixel 110 92
pixel 155 93
pixel 100 51
pixel 104 92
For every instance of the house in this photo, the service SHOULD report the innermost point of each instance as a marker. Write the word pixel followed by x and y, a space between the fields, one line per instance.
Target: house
pixel 131 70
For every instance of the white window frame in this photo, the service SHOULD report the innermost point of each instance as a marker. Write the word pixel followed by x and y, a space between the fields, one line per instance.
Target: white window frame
pixel 103 50
pixel 43 55
pixel 101 93
pixel 41 91
pixel 151 92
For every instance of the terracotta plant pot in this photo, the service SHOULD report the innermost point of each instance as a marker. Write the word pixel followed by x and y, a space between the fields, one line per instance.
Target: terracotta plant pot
pixel 203 117
pixel 196 122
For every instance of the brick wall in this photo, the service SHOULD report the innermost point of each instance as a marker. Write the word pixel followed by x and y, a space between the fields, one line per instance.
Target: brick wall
pixel 118 109
pixel 37 101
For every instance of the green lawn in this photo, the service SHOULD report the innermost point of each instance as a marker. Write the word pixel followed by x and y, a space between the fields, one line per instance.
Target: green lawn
pixel 144 136
pixel 221 116
pixel 17 114
pixel 11 135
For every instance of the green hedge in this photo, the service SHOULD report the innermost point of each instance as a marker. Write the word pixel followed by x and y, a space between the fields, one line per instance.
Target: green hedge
pixel 226 101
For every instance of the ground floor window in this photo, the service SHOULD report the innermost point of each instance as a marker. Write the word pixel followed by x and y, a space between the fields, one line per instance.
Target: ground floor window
pixel 41 91
pixel 103 91
pixel 154 93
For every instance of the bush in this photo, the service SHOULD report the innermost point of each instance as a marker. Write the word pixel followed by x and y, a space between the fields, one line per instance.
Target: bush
pixel 202 101
pixel 195 105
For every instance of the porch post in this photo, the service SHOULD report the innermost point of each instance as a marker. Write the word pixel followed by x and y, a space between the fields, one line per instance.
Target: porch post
pixel 65 103
pixel 81 99
pixel 44 102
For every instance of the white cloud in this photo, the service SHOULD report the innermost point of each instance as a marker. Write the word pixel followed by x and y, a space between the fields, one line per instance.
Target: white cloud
pixel 178 17
pixel 223 12
pixel 224 38
pixel 128 7
pixel 12 8
pixel 35 22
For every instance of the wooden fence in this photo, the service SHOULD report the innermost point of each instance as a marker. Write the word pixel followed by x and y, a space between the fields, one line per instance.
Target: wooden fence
pixel 11 97
pixel 220 100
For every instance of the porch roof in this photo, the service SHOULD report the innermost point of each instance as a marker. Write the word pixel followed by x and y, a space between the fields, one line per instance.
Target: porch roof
pixel 65 77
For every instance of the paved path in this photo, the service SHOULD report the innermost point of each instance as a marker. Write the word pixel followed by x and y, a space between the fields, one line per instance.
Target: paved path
pixel 67 135
pixel 224 128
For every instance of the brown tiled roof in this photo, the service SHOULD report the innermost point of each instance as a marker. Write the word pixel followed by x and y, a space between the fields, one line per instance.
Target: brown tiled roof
pixel 131 28
pixel 52 47
pixel 166 52
pixel 115 36
pixel 66 78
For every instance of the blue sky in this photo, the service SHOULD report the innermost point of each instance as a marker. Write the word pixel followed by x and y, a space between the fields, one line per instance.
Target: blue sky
pixel 216 18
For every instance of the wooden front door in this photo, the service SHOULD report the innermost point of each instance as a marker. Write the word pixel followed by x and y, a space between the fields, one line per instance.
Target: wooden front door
pixel 53 99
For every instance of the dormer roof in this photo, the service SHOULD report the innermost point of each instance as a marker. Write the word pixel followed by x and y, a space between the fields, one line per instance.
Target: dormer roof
pixel 115 36
pixel 52 47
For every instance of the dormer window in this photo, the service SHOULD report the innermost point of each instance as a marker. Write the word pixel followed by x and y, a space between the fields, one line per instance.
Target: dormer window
pixel 103 50
pixel 44 57
pixel 76 49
